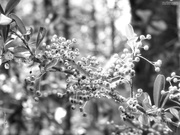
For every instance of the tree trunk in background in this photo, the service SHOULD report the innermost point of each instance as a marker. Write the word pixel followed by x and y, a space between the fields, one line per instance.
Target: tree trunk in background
pixel 67 17
pixel 94 28
pixel 94 103
pixel 178 21
pixel 66 31
pixel 112 25
pixel 112 35
pixel 178 25
pixel 48 7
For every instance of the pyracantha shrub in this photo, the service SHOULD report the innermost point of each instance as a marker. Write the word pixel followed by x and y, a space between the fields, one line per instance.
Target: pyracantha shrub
pixel 86 78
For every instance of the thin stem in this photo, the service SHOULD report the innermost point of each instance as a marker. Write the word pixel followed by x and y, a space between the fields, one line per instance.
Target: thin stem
pixel 175 102
pixel 61 70
pixel 172 107
pixel 145 59
pixel 131 92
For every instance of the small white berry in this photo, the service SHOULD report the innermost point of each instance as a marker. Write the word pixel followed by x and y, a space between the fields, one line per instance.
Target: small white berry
pixel 163 92
pixel 148 36
pixel 139 90
pixel 74 40
pixel 137 59
pixel 168 79
pixel 125 50
pixel 146 47
pixel 157 69
pixel 173 74
pixel 175 80
pixel 142 37
pixel 159 62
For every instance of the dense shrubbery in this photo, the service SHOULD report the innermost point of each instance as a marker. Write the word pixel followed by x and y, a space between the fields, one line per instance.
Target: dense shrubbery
pixel 87 79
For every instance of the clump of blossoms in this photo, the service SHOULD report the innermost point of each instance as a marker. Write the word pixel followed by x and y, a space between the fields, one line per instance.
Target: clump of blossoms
pixel 87 79
pixel 173 92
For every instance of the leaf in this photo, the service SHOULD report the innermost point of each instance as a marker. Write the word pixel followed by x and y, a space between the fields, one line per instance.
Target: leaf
pixel 173 127
pixel 130 123
pixel 146 102
pixel 1 9
pixel 51 64
pixel 174 112
pixel 4 20
pixel 129 32
pixel 20 49
pixel 5 31
pixel 28 34
pixel 143 119
pixel 41 34
pixel 19 23
pixel 159 85
pixel 20 56
pixel 11 5
pixel 169 115
pixel 37 84
pixel 140 108
pixel 10 43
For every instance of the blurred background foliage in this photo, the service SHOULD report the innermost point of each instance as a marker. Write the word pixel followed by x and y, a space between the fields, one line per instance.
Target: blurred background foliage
pixel 98 26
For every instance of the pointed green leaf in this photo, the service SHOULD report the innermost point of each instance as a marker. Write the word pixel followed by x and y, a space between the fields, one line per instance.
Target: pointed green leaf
pixel 37 83
pixel 5 31
pixel 174 112
pixel 146 101
pixel 10 43
pixel 19 55
pixel 143 99
pixel 41 35
pixel 20 49
pixel 143 119
pixel 1 9
pixel 169 115
pixel 174 128
pixel 11 5
pixel 51 64
pixel 159 85
pixel 129 32
pixel 28 34
pixel 19 23
pixel 140 108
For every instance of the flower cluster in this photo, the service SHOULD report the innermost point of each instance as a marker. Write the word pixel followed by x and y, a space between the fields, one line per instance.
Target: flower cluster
pixel 174 90
pixel 86 78
pixel 60 48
